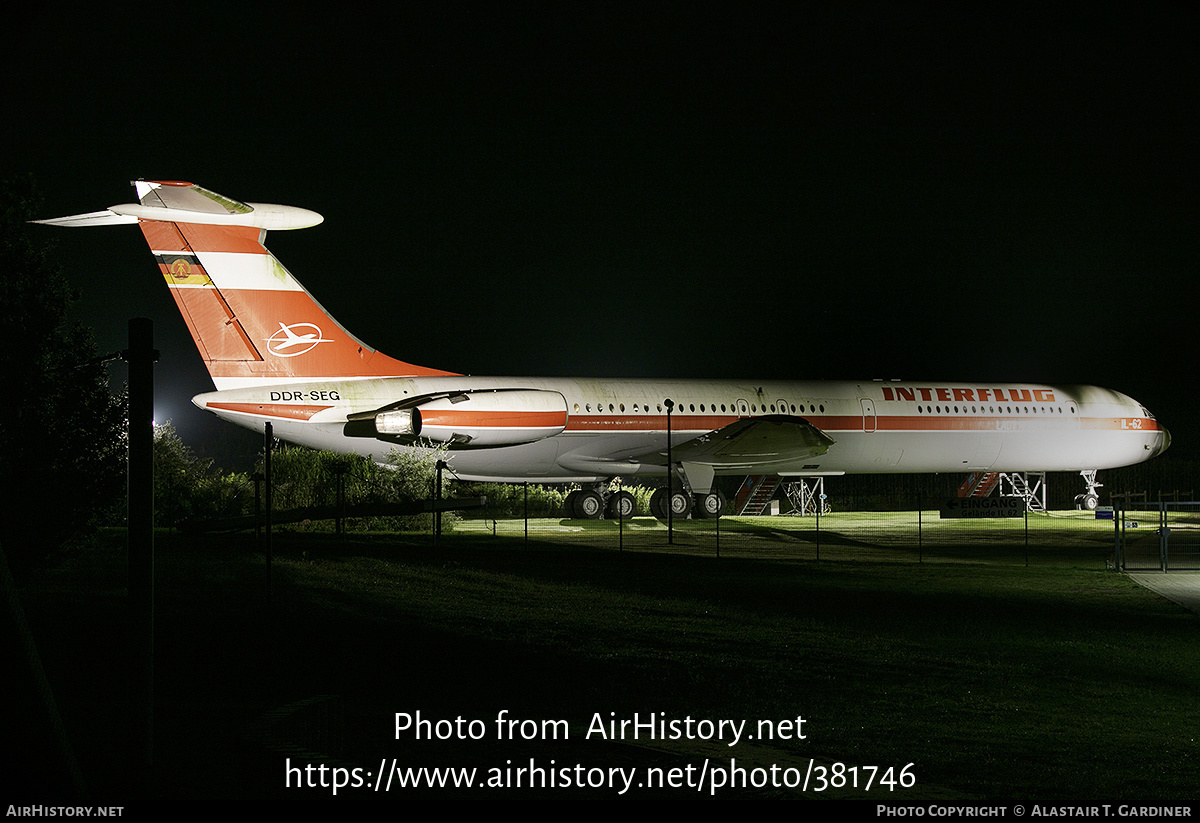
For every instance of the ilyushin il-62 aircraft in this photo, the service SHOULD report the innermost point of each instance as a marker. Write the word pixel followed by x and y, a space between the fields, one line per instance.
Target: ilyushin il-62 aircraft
pixel 275 355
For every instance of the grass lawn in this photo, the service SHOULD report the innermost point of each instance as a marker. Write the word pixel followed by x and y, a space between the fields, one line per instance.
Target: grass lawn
pixel 996 680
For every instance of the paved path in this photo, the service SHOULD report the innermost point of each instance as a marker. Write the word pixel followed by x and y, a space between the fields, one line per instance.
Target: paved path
pixel 1181 587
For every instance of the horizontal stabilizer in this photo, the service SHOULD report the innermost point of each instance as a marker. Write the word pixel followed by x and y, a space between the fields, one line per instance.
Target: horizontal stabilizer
pixel 92 218
pixel 173 202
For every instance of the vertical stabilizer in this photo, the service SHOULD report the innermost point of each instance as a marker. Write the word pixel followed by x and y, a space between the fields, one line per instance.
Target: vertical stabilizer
pixel 252 321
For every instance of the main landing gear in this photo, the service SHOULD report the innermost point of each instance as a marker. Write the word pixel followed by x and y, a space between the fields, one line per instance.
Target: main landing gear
pixel 682 503
pixel 592 504
pixel 584 504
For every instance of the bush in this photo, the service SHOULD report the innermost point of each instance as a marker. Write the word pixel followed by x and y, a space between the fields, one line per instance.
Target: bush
pixel 507 500
pixel 186 487
pixel 305 477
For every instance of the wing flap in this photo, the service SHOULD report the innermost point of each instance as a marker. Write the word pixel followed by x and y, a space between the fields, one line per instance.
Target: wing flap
pixel 753 442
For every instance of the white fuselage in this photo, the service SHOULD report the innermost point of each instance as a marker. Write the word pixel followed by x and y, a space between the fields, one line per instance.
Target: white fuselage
pixel 619 427
pixel 277 356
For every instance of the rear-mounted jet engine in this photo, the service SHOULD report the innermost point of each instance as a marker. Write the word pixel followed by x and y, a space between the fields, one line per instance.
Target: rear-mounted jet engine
pixel 469 419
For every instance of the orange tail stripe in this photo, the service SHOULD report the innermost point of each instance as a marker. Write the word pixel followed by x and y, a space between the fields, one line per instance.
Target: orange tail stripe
pixel 494 419
pixel 271 409
pixel 198 237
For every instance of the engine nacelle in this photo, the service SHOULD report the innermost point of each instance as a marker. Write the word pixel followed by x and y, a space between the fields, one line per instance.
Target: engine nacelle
pixel 471 419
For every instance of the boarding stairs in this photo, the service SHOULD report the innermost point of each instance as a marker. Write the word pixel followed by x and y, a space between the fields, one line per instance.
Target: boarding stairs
pixel 1030 487
pixel 756 493
pixel 979 484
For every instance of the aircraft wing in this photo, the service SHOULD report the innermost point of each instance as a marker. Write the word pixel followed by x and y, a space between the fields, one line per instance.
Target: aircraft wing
pixel 753 443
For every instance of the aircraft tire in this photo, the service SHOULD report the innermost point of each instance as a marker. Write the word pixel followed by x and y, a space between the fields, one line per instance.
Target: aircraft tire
pixel 709 506
pixel 621 506
pixel 681 504
pixel 569 504
pixel 588 505
pixel 658 504
pixel 1089 502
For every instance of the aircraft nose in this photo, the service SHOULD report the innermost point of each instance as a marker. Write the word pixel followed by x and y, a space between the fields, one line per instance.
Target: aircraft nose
pixel 1164 443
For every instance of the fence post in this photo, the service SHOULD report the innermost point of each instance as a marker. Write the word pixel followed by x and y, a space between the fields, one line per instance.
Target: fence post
pixel 620 526
pixel 1117 516
pixel 670 404
pixel 1163 534
pixel 920 528
pixel 818 532
pixel 718 520
pixel 437 517
pixel 268 443
pixel 1027 535
pixel 141 357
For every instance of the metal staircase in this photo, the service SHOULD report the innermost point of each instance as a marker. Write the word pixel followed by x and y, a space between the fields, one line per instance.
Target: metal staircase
pixel 756 493
pixel 979 484
pixel 1010 484
pixel 1018 484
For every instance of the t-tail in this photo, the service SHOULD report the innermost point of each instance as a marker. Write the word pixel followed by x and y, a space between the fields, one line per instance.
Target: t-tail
pixel 252 321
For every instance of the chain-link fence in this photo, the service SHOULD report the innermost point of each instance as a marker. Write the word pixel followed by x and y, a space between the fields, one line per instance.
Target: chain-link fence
pixel 1158 536
pixel 901 536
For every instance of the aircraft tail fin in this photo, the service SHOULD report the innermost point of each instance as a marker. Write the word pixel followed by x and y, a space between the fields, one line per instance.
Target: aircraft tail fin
pixel 251 320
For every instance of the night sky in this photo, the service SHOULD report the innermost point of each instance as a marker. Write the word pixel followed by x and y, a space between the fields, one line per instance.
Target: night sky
pixel 856 191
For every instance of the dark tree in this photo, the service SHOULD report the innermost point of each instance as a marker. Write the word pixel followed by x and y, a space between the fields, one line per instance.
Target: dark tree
pixel 62 441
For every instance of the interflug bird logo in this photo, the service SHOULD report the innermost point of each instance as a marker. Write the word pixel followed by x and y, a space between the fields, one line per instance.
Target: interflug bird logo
pixel 293 340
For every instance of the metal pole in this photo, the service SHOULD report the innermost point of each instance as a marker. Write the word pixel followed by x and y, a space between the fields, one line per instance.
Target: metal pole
pixel 257 477
pixel 920 522
pixel 670 404
pixel 437 517
pixel 818 531
pixel 268 446
pixel 620 523
pixel 1027 534
pixel 1117 514
pixel 141 357
pixel 1163 533
pixel 340 489
pixel 1125 512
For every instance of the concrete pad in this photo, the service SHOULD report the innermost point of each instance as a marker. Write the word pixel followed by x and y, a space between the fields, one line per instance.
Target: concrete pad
pixel 1181 587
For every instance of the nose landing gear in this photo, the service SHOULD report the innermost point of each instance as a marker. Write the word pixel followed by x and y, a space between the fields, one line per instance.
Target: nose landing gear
pixel 1090 499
